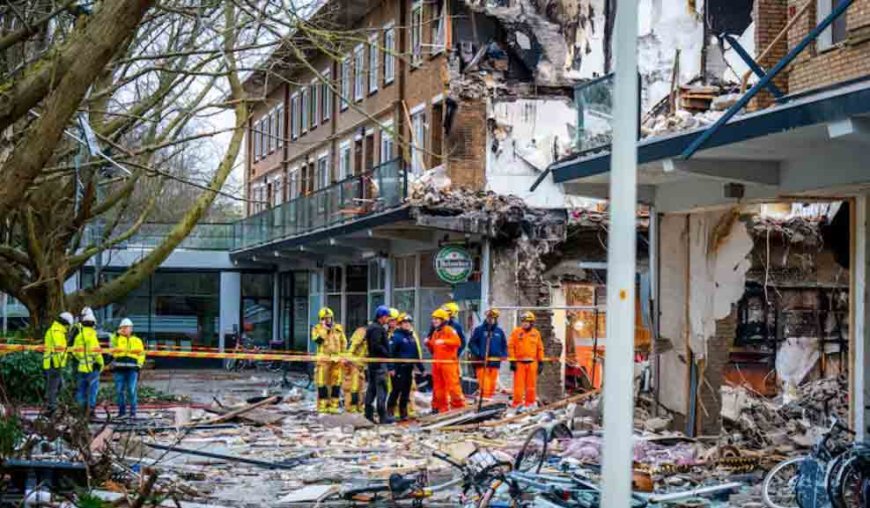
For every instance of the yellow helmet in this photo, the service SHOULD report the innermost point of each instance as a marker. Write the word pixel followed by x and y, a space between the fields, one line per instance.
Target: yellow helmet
pixel 440 314
pixel 452 308
pixel 394 313
pixel 325 312
pixel 405 317
pixel 493 313
pixel 528 316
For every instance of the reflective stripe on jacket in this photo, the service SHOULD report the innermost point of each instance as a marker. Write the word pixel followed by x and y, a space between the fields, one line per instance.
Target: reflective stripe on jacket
pixel 525 345
pixel 87 350
pixel 54 356
pixel 129 352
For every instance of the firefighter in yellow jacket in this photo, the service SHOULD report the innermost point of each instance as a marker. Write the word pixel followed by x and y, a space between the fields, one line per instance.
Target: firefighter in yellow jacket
pixel 54 357
pixel 89 355
pixel 331 343
pixel 354 371
pixel 128 353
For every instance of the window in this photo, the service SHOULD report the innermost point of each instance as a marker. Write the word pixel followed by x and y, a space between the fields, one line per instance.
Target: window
pixel 345 83
pixel 343 160
pixel 386 152
pixel 418 140
pixel 836 32
pixel 369 150
pixel 333 290
pixel 257 307
pixel 267 132
pixel 323 170
pixel 389 54
pixel 377 284
pixel 255 140
pixel 438 22
pixel 279 117
pixel 294 116
pixel 405 283
pixel 373 63
pixel 305 109
pixel 416 32
pixel 264 139
pixel 293 183
pixel 359 69
pixel 315 104
pixel 326 95
pixel 277 186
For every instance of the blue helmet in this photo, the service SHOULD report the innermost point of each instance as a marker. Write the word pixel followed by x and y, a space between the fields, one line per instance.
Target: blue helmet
pixel 382 311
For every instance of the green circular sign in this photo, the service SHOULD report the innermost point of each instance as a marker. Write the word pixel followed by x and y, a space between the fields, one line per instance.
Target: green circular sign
pixel 453 264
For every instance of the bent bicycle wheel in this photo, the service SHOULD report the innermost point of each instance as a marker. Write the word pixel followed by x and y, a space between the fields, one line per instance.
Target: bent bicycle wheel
pixel 534 451
pixel 778 489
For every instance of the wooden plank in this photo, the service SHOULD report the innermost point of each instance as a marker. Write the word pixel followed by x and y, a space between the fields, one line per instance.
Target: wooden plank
pixel 510 419
pixel 236 412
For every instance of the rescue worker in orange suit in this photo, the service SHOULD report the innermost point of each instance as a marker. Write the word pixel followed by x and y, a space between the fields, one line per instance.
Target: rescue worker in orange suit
pixel 488 345
pixel 444 343
pixel 526 352
pixel 354 371
pixel 331 344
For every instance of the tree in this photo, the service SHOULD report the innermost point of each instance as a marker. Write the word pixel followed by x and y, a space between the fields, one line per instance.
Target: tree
pixel 142 75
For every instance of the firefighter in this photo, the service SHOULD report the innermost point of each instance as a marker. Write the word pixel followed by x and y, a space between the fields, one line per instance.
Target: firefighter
pixel 378 347
pixel 54 357
pixel 488 345
pixel 526 352
pixel 331 344
pixel 89 355
pixel 403 346
pixel 354 371
pixel 444 343
pixel 128 353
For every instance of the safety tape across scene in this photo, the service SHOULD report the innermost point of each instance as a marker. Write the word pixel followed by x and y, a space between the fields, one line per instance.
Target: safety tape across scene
pixel 277 357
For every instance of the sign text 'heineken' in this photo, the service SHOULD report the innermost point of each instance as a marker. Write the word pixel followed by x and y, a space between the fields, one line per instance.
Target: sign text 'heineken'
pixel 453 264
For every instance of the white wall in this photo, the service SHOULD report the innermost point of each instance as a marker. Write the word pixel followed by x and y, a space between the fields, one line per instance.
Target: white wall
pixel 230 301
pixel 528 132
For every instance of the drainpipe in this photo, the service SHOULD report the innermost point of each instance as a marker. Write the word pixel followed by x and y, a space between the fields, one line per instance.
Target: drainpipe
pixel 485 267
pixel 621 268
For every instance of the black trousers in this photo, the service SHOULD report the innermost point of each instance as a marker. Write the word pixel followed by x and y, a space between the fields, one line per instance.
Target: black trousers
pixel 376 392
pixel 401 389
pixel 53 385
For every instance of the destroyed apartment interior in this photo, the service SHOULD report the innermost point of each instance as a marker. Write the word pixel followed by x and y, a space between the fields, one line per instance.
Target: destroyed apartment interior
pixel 427 269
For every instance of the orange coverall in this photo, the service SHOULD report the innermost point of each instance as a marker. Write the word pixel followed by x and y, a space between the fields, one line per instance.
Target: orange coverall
pixel 525 349
pixel 446 391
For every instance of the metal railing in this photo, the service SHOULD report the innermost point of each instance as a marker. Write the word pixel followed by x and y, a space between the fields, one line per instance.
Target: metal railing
pixel 218 236
pixel 383 187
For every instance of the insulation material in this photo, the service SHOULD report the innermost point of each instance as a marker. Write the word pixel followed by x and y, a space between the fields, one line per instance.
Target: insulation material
pixel 795 359
pixel 719 248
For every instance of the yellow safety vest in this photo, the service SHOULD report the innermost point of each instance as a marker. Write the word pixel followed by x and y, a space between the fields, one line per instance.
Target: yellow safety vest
pixel 128 351
pixel 358 347
pixel 54 355
pixel 87 350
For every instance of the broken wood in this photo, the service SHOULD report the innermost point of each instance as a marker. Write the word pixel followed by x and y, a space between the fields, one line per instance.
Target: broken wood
pixel 236 412
pixel 284 464
pixel 510 419
pixel 145 490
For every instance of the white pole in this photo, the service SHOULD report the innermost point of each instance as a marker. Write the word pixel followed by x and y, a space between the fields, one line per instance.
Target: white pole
pixel 618 371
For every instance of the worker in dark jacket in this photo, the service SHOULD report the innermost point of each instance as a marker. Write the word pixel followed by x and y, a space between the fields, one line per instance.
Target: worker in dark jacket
pixel 405 348
pixel 378 346
pixel 488 345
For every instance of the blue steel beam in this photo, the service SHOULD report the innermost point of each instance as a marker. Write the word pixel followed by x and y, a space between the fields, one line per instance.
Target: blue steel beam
pixel 768 77
pixel 753 65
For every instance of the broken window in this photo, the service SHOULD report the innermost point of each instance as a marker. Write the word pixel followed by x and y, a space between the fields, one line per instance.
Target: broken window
pixel 315 103
pixel 437 132
pixel 418 141
pixel 345 83
pixel 416 32
pixel 326 96
pixel 373 63
pixel 836 32
pixel 389 54
pixel 359 69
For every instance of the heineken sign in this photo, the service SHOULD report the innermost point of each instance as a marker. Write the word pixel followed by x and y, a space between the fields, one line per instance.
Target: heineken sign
pixel 453 264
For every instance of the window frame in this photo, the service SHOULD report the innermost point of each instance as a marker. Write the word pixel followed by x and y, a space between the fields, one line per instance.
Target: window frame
pixel 418 146
pixel 374 63
pixel 439 29
pixel 416 32
pixel 344 88
pixel 279 115
pixel 294 115
pixel 305 107
pixel 326 95
pixel 389 53
pixel 386 136
pixel 263 139
pixel 322 176
pixel 255 140
pixel 315 103
pixel 345 157
pixel 825 41
pixel 359 73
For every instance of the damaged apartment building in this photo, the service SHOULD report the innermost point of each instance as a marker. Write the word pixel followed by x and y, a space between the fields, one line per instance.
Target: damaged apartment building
pixel 395 166
pixel 753 132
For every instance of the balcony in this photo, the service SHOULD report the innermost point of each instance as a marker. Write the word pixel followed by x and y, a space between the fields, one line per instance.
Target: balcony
pixel 382 188
pixel 151 234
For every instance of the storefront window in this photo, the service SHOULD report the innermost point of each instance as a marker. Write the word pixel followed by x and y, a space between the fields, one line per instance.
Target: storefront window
pixel 257 309
pixel 314 303
pixel 300 312
pixel 356 284
pixel 377 284
pixel 333 290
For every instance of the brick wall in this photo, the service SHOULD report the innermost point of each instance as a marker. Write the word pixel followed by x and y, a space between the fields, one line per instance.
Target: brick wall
pixel 770 18
pixel 718 355
pixel 847 60
pixel 466 146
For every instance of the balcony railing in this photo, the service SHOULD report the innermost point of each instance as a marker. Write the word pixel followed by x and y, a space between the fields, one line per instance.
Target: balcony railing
pixel 151 234
pixel 383 187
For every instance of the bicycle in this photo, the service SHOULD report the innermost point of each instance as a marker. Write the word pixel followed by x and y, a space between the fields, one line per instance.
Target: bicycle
pixel 805 480
pixel 848 485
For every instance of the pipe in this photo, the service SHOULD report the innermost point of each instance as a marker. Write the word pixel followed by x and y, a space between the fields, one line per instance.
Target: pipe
pixel 284 464
pixel 621 267
pixel 676 496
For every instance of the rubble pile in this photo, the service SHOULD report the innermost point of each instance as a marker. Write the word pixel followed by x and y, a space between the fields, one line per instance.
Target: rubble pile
pixel 795 230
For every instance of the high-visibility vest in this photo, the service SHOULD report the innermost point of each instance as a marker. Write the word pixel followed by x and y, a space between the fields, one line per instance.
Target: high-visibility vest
pixel 86 349
pixel 330 341
pixel 128 351
pixel 54 355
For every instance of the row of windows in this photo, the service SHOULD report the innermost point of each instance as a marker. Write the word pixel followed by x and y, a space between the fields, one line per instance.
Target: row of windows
pixel 268 132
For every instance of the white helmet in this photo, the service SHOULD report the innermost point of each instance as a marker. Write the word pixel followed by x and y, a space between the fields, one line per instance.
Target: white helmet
pixel 88 316
pixel 126 322
pixel 67 318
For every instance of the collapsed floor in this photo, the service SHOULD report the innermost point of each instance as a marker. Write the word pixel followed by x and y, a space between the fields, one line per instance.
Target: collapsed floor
pixel 276 451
